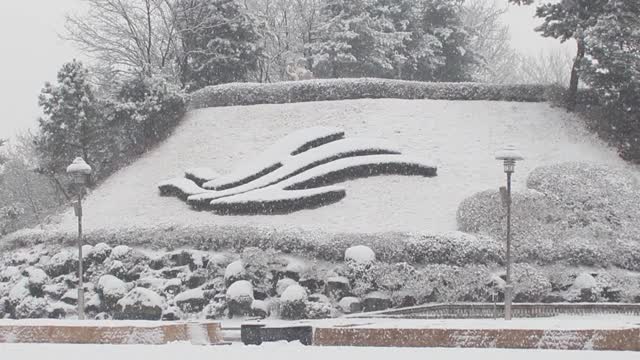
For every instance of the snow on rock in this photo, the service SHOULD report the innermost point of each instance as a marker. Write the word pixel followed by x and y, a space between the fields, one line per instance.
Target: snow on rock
pixel 350 304
pixel 376 301
pixel 294 293
pixel 360 254
pixel 234 271
pixel 191 301
pixel 120 252
pixel 283 284
pixel 111 288
pixel 70 297
pixel 139 304
pixel 172 286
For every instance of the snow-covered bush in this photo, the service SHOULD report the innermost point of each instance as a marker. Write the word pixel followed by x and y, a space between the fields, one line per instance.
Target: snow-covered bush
pixel 318 310
pixel 139 304
pixel 530 284
pixel 582 214
pixel 293 302
pixel 111 289
pixel 32 308
pixel 342 89
pixel 240 297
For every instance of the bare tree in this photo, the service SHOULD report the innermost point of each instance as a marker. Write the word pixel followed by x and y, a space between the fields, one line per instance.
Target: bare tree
pixel 547 67
pixel 289 26
pixel 491 41
pixel 131 36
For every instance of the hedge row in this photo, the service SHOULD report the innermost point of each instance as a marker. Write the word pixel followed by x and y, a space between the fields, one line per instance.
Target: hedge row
pixel 345 89
pixel 454 248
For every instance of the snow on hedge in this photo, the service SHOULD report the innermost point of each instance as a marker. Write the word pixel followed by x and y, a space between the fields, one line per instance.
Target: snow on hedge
pixel 293 165
pixel 271 159
pixel 276 201
pixel 371 88
pixel 180 187
pixel 294 173
pixel 200 175
pixel 360 254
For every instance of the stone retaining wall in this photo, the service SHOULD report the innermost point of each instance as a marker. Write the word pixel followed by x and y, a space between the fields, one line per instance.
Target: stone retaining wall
pixel 620 339
pixel 196 333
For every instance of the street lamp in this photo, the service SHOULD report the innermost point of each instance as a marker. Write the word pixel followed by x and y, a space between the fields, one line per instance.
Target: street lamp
pixel 79 171
pixel 509 155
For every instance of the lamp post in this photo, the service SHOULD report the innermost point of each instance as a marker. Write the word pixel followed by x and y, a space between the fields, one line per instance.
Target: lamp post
pixel 509 155
pixel 79 170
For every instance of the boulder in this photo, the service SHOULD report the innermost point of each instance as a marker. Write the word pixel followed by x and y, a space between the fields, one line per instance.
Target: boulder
pixel 337 287
pixel 172 313
pixel 350 305
pixel 376 301
pixel 197 278
pixel 191 301
pixel 360 256
pixel 239 298
pixel 139 304
pixel 172 286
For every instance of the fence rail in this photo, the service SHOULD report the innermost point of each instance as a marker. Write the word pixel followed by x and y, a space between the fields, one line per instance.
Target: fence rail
pixel 488 310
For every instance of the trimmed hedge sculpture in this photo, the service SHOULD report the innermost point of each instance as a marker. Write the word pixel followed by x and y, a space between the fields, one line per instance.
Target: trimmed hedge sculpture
pixel 294 174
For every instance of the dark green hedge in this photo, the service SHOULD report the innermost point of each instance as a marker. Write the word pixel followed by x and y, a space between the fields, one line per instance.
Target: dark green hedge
pixel 344 89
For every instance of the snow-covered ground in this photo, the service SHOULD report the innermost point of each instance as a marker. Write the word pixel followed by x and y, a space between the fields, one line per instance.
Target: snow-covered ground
pixel 285 351
pixel 460 136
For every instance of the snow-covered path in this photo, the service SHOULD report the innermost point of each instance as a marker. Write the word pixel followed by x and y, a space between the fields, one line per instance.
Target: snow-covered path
pixel 285 351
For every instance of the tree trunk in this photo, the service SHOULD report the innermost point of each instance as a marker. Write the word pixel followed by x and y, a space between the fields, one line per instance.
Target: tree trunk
pixel 572 96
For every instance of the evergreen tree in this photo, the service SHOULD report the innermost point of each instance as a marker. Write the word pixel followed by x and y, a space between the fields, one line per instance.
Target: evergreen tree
pixel 354 41
pixel 612 67
pixel 408 39
pixel 70 124
pixel 570 19
pixel 219 42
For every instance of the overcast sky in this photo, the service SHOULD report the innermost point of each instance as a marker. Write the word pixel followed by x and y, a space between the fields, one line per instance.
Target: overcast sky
pixel 32 52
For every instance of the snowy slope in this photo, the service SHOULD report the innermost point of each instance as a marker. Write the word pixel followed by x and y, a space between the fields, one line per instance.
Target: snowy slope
pixel 460 136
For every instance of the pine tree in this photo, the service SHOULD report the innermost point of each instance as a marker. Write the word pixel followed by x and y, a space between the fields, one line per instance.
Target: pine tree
pixel 570 19
pixel 354 41
pixel 219 42
pixel 70 124
pixel 612 67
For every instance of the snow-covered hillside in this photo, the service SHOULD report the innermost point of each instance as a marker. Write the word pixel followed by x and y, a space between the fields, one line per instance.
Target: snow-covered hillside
pixel 461 137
